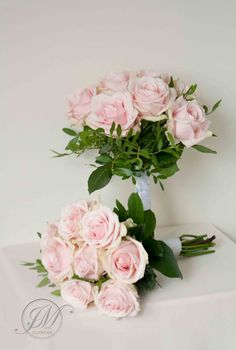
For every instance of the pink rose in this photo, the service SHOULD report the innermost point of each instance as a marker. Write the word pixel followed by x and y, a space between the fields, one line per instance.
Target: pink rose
pixel 57 258
pixel 115 81
pixel 71 216
pixel 101 228
pixel 79 105
pixel 151 95
pixel 117 299
pixel 51 231
pixel 188 122
pixel 87 262
pixel 117 108
pixel 77 293
pixel 127 262
pixel 165 77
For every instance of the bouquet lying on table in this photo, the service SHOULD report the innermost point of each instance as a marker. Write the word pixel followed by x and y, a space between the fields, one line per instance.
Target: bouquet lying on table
pixel 140 123
pixel 95 255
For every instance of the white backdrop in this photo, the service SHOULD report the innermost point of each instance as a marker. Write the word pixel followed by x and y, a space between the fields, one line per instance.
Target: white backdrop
pixel 51 47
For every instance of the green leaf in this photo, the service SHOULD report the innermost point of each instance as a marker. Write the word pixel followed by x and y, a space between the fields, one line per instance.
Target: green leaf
pixel 154 248
pixel 191 90
pixel 103 159
pixel 148 282
pixel 122 172
pixel 139 164
pixel 113 126
pixel 56 292
pixel 135 208
pixel 203 149
pixel 40 269
pixel 144 153
pixel 26 263
pixel 72 145
pixel 39 234
pixel 105 148
pixel 39 262
pixel 216 105
pixel 167 172
pixel 170 138
pixel 70 132
pixel 149 223
pixel 166 264
pixel 59 155
pixel 121 211
pixel 172 151
pixel 130 133
pixel 161 185
pixel 137 232
pixel 119 130
pixel 171 83
pixel 99 178
pixel 134 180
pixel 205 108
pixel 43 283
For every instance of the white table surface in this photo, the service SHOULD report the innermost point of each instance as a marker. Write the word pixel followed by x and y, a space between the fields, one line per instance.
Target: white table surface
pixel 196 313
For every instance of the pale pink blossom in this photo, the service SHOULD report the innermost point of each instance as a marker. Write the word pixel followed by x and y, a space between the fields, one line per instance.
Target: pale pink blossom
pixel 151 95
pixel 115 108
pixel 117 299
pixel 188 122
pixel 77 293
pixel 57 258
pixel 87 263
pixel 126 262
pixel 71 216
pixel 79 105
pixel 101 228
pixel 115 81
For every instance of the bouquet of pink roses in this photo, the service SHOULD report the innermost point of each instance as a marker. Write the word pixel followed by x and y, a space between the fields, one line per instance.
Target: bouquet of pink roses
pixel 140 123
pixel 95 255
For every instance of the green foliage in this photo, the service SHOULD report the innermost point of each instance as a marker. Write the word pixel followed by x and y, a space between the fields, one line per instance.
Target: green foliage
pixel 203 149
pixel 149 150
pixel 148 282
pixel 166 264
pixel 154 248
pixel 150 223
pixel 190 91
pixel 45 281
pixel 70 132
pixel 216 105
pixel 42 272
pixel 99 178
pixel 121 211
pixel 135 208
pixel 56 292
pixel 38 266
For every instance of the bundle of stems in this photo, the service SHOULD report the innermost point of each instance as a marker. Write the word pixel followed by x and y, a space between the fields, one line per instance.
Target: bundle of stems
pixel 194 245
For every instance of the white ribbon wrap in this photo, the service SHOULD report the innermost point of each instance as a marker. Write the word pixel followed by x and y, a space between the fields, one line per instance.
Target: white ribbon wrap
pixel 143 189
pixel 175 245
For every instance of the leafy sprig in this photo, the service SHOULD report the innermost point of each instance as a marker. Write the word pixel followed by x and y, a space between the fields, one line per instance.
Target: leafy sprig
pixel 42 273
pixel 149 150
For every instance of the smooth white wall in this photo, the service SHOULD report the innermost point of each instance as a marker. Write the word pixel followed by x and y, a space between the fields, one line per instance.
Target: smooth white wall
pixel 51 47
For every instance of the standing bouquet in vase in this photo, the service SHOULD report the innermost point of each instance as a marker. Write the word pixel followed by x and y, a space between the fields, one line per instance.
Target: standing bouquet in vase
pixel 140 123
